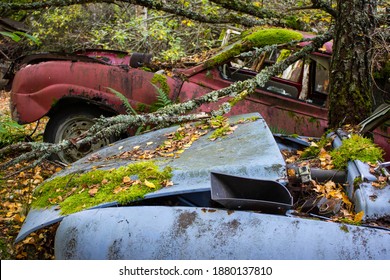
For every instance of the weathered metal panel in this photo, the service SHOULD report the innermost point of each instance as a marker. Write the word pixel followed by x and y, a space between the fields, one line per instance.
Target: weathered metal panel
pixel 250 151
pixel 199 233
pixel 36 88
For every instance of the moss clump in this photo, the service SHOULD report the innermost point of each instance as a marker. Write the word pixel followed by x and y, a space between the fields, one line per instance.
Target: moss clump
pixel 315 149
pixel 258 38
pixel 161 81
pixel 271 36
pixel 225 55
pixel 356 148
pixel 76 192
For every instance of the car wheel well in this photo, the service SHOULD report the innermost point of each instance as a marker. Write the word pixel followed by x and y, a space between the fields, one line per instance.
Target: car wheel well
pixel 65 103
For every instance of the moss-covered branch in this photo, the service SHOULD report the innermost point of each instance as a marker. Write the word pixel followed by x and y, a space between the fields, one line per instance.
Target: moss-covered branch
pixel 255 39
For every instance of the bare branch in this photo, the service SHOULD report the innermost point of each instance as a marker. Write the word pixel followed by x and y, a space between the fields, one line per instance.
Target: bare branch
pixel 319 4
pixel 247 8
pixel 152 4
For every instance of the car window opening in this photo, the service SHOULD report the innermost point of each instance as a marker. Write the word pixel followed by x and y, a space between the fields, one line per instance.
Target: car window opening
pixel 306 80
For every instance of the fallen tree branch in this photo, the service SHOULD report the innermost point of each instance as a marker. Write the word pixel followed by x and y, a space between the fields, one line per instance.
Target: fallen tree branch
pixel 171 114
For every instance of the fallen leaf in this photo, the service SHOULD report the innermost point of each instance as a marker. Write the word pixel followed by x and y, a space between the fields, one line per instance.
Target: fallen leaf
pixel 93 191
pixel 126 179
pixel 149 184
pixel 358 217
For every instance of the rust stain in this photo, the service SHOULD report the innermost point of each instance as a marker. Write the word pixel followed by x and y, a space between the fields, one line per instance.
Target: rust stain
pixel 71 244
pixel 185 220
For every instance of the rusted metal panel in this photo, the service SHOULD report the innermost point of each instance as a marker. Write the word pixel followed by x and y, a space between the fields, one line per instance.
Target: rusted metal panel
pixel 250 151
pixel 36 88
pixel 206 233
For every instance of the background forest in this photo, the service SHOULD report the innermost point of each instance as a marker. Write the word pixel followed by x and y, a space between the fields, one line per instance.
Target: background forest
pixel 127 27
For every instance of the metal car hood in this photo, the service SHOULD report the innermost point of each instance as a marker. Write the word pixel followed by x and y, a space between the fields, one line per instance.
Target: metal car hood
pixel 251 151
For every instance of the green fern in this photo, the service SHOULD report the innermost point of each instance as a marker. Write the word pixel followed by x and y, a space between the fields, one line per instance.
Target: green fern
pixel 162 99
pixel 129 109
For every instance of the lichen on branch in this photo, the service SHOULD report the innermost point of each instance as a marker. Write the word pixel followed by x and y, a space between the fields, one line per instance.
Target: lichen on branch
pixel 166 116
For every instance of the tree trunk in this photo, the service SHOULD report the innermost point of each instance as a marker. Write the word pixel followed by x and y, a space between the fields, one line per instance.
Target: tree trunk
pixel 350 77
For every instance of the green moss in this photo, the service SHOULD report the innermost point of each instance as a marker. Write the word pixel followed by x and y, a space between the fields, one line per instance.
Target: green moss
pixel 76 192
pixel 283 55
pixel 314 150
pixel 161 81
pixel 344 228
pixel 294 22
pixel 272 36
pixel 221 125
pixel 228 53
pixel 356 148
pixel 256 38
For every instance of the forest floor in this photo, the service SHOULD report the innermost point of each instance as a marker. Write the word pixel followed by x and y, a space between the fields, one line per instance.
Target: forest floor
pixel 15 197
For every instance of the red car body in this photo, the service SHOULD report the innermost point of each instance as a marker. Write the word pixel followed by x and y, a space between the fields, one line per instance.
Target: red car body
pixel 46 86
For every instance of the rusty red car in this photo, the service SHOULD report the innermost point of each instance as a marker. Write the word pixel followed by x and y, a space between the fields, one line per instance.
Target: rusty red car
pixel 73 89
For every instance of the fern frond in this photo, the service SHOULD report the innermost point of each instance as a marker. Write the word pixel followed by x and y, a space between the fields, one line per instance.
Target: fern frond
pixel 129 109
pixel 162 99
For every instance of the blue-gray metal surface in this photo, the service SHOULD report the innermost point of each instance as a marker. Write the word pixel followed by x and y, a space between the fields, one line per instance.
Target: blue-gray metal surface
pixel 158 232
pixel 374 201
pixel 250 151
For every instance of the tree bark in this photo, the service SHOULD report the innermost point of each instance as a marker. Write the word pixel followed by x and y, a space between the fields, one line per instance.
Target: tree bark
pixel 350 78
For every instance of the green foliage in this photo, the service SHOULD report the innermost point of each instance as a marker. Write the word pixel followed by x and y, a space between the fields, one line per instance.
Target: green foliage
pixel 10 131
pixel 124 28
pixel 356 148
pixel 17 36
pixel 129 109
pixel 76 192
pixel 162 99
pixel 161 80
pixel 315 149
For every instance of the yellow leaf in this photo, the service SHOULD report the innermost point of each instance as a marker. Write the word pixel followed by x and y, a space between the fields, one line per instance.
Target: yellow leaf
pixel 149 184
pixel 358 217
pixel 346 200
pixel 126 179
pixel 18 218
